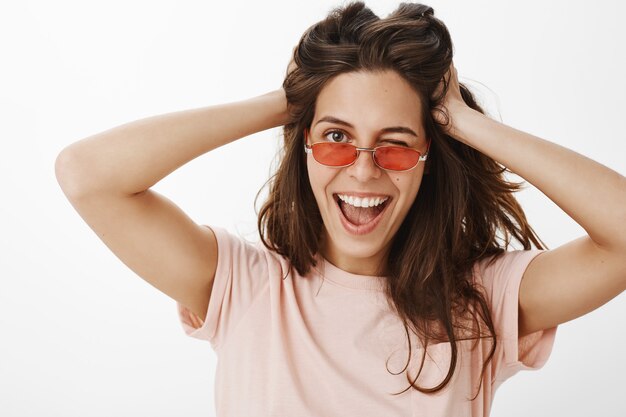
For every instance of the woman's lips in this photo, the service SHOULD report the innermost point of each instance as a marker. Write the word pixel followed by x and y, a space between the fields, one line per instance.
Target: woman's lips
pixel 364 228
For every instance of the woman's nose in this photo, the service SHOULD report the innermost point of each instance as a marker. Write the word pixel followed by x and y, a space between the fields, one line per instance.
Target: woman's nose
pixel 364 168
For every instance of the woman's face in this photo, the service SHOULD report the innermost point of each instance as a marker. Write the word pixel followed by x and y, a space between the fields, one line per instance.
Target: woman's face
pixel 369 102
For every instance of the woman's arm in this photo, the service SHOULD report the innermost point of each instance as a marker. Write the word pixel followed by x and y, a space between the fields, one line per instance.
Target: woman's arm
pixel 107 178
pixel 582 275
pixel 131 158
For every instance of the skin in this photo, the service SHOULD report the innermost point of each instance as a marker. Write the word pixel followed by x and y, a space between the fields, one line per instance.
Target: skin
pixel 369 101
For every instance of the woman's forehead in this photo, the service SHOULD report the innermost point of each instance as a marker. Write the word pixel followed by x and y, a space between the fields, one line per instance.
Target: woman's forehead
pixel 375 99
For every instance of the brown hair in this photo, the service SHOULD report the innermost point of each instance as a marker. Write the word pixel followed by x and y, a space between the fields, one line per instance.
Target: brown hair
pixel 463 202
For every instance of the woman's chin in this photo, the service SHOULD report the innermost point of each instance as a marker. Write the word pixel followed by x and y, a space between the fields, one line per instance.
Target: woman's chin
pixel 345 249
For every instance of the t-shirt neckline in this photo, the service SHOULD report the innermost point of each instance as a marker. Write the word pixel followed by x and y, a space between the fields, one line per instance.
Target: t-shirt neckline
pixel 347 279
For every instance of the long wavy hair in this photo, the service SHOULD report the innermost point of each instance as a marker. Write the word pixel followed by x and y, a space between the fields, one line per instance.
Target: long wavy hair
pixel 464 203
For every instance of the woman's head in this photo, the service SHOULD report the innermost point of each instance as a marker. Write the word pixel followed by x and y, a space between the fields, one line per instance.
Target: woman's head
pixel 373 74
pixel 442 216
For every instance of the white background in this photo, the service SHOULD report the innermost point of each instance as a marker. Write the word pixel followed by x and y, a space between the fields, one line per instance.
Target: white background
pixel 82 335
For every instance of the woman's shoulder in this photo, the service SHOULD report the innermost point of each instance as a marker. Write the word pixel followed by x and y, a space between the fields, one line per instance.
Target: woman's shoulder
pixel 248 250
pixel 498 269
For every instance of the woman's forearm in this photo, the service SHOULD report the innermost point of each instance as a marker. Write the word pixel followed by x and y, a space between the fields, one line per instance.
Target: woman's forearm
pixel 592 194
pixel 131 158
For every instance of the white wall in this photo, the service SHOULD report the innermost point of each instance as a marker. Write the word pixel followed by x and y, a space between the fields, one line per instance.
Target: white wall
pixel 82 335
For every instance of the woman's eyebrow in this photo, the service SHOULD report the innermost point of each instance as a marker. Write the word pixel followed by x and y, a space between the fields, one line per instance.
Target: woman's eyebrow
pixel 391 129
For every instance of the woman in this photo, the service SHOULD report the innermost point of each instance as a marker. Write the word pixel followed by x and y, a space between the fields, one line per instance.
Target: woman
pixel 382 285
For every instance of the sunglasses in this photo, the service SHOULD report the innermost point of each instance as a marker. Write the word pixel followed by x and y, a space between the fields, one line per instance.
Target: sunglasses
pixel 392 158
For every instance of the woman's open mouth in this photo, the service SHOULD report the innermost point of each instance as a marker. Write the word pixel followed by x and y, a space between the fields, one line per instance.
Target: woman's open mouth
pixel 360 216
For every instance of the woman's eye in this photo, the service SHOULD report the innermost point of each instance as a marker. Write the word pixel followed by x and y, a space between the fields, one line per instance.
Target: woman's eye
pixel 335 135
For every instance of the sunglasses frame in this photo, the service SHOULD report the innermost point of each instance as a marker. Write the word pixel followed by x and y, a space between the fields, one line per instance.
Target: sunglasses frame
pixel 309 149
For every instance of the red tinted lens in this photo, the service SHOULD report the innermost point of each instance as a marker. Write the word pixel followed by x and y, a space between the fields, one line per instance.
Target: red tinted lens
pixel 396 158
pixel 334 154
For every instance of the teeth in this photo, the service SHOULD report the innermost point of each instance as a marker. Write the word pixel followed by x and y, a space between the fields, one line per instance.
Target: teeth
pixel 362 202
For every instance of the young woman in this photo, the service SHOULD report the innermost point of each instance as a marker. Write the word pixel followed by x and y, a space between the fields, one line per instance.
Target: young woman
pixel 383 285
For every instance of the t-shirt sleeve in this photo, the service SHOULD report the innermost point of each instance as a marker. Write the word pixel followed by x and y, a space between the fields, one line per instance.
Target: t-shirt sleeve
pixel 240 276
pixel 502 280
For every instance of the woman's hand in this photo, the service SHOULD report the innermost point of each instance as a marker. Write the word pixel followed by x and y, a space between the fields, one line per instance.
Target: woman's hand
pixel 451 104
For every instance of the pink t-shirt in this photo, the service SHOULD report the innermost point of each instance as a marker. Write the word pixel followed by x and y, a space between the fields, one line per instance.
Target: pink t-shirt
pixel 317 345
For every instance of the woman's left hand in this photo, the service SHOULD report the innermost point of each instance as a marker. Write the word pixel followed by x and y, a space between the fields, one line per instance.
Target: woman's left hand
pixel 451 103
